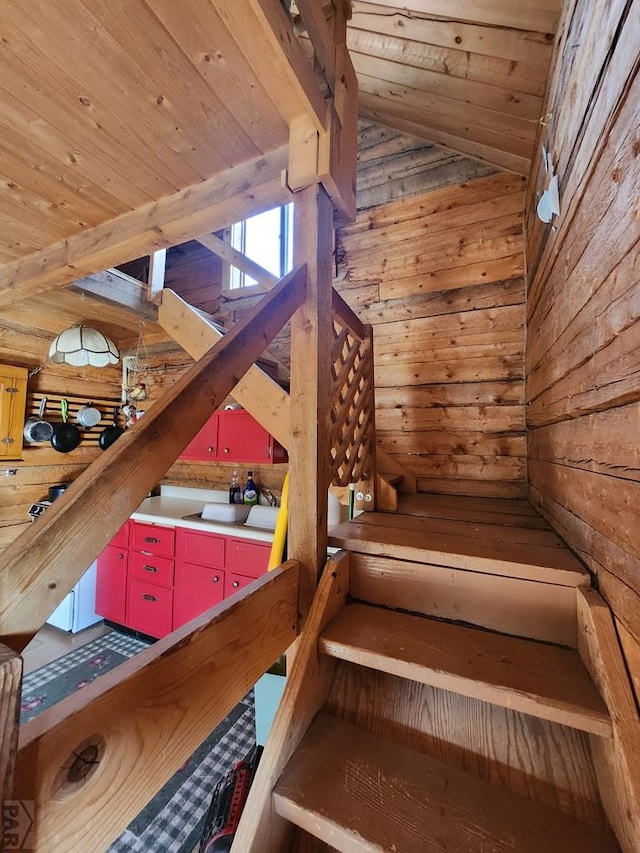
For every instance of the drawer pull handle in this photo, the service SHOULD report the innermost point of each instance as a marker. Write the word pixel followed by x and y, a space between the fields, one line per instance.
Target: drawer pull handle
pixel 146 553
pixel 211 450
pixel 148 597
pixel 150 568
pixel 215 579
pixel 151 539
pixel 120 556
pixel 235 584
pixel 226 450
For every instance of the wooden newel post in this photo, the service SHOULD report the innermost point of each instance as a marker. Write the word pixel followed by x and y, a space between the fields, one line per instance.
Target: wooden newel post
pixel 310 389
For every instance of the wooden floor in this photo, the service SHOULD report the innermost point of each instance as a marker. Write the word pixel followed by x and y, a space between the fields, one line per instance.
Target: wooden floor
pixel 504 537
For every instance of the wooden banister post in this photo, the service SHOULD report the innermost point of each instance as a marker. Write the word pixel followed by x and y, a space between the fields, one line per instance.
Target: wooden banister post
pixel 310 384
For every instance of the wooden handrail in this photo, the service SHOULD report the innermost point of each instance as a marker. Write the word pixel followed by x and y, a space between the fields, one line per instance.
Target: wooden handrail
pixel 39 568
pixel 347 315
pixel 142 720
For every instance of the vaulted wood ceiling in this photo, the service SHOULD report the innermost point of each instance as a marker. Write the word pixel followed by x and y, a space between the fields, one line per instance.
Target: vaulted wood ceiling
pixel 465 74
pixel 117 118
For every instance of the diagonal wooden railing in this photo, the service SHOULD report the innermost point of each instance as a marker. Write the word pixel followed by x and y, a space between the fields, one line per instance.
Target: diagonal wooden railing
pixel 352 436
pixel 91 763
pixel 40 567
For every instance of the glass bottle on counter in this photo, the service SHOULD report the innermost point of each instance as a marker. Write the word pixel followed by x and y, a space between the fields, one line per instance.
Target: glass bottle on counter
pixel 250 491
pixel 235 492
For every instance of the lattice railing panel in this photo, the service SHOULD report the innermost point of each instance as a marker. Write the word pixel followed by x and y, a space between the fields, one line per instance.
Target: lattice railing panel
pixel 352 431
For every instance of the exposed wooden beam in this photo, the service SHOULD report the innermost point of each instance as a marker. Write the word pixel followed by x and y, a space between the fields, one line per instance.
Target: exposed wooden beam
pixel 223 250
pixel 146 717
pixel 310 387
pixel 119 288
pixel 268 41
pixel 315 23
pixel 207 206
pixel 260 395
pixel 42 565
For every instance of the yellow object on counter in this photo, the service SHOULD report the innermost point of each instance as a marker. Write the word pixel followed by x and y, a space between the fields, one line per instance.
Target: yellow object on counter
pixel 280 533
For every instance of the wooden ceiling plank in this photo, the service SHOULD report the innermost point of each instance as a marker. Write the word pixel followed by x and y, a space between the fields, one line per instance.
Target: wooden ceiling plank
pixel 202 35
pixel 465 91
pixel 206 123
pixel 59 193
pixel 442 109
pixel 113 118
pixel 41 83
pixel 66 174
pixel 61 151
pixel 210 205
pixel 514 45
pixel 374 109
pixel 538 15
pixel 514 76
pixel 456 126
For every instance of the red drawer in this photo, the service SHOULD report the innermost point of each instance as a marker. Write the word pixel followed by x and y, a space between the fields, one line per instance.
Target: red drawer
pixel 235 582
pixel 205 549
pixel 149 608
pixel 248 557
pixel 151 539
pixel 150 569
pixel 197 589
pixel 121 539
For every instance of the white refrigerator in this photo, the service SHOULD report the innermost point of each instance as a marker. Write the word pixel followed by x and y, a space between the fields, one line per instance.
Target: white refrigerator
pixel 78 608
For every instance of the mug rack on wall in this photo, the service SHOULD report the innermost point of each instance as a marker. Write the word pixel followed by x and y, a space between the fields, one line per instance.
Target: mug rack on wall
pixel 90 437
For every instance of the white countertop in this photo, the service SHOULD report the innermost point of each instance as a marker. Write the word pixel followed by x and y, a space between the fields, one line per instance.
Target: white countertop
pixel 174 502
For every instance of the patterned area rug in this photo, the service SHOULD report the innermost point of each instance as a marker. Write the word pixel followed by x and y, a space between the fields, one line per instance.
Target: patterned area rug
pixel 174 819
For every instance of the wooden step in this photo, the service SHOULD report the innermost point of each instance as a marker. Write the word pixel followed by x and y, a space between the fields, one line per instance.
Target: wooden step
pixel 545 681
pixel 359 792
pixel 536 555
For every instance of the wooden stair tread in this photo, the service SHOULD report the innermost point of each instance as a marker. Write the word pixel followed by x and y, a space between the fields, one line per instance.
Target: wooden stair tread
pixel 361 792
pixel 461 547
pixel 549 682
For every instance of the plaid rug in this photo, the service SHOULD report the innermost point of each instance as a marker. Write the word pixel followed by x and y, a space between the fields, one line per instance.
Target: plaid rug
pixel 173 820
pixel 47 685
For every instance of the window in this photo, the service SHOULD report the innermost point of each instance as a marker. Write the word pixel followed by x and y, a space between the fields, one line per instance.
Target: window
pixel 267 239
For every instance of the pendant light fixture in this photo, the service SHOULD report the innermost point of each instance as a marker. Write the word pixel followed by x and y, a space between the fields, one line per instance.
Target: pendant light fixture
pixel 82 346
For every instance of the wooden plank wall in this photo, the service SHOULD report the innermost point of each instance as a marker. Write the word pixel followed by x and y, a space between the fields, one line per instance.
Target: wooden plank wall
pixel 583 357
pixel 41 466
pixel 437 268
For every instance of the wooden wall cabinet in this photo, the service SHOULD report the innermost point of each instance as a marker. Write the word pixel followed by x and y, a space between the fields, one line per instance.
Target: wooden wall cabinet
pixel 234 436
pixel 13 399
pixel 154 579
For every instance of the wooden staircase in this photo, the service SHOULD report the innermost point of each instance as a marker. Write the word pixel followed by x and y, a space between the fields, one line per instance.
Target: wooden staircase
pixel 439 699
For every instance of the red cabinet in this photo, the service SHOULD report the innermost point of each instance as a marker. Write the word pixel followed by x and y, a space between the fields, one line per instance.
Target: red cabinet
pixel 163 577
pixel 248 557
pixel 205 443
pixel 197 589
pixel 111 583
pixel 234 436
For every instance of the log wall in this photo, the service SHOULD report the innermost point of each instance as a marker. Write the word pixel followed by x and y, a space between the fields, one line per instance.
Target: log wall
pixel 583 358
pixel 438 271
